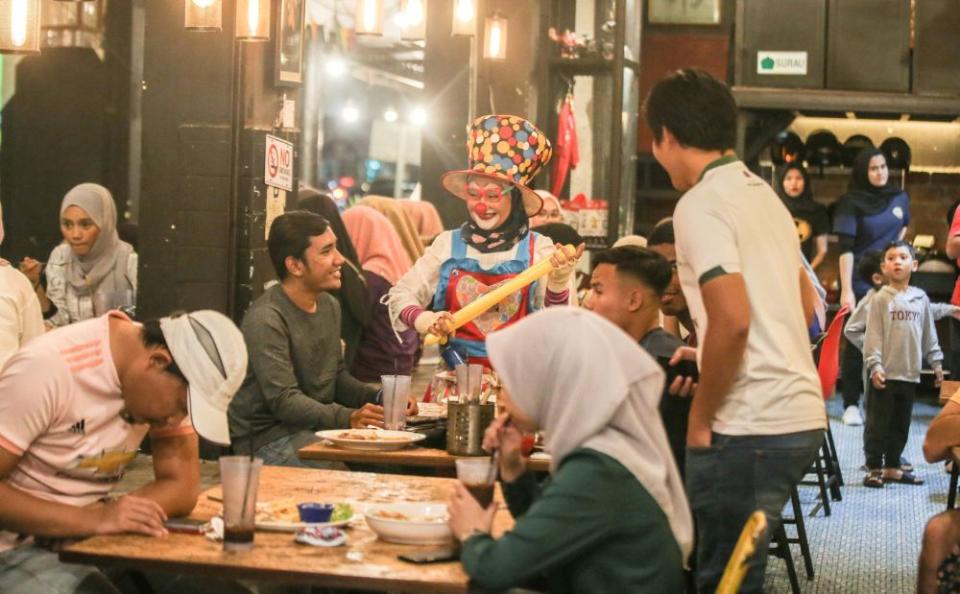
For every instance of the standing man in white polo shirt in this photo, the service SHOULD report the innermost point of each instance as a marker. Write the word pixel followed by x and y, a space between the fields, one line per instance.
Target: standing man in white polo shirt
pixel 758 417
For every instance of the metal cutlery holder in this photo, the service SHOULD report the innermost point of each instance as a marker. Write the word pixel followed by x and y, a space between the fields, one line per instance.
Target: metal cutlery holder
pixel 466 423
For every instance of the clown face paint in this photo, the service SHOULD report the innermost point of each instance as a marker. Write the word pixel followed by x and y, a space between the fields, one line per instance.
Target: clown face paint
pixel 488 202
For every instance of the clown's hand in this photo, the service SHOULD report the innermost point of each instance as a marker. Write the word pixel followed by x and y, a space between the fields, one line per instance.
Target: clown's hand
pixel 564 265
pixel 437 323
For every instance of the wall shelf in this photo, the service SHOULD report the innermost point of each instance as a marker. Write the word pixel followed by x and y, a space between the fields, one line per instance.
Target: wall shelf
pixel 812 101
pixel 589 65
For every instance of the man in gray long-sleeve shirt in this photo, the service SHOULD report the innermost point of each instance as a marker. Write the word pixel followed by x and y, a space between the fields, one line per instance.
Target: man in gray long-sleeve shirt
pixel 296 382
pixel 900 333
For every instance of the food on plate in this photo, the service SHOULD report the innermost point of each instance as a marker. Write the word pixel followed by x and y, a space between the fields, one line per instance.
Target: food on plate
pixel 369 436
pixel 285 511
pixel 341 512
pixel 281 511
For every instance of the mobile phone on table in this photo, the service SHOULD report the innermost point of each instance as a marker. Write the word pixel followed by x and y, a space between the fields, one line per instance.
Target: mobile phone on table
pixel 431 556
pixel 185 525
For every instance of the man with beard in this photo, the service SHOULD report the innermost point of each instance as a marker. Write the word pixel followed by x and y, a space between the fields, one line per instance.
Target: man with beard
pixel 493 246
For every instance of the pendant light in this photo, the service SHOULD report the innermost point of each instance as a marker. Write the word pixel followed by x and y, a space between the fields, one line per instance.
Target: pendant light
pixel 464 18
pixel 495 37
pixel 369 17
pixel 414 20
pixel 19 26
pixel 202 15
pixel 253 20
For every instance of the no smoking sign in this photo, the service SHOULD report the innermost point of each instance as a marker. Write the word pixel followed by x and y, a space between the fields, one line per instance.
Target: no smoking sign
pixel 278 163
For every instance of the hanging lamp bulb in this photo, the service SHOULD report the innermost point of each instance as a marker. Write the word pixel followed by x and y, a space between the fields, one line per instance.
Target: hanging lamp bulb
pixel 253 20
pixel 369 17
pixel 19 26
pixel 414 20
pixel 464 18
pixel 202 15
pixel 495 37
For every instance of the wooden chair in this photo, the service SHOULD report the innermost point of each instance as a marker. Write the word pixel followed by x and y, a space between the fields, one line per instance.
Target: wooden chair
pixel 752 534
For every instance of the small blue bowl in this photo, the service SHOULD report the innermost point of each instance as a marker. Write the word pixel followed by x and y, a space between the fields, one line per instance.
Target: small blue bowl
pixel 315 513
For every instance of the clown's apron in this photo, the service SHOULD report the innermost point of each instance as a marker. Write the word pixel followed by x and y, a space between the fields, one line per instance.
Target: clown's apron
pixel 462 281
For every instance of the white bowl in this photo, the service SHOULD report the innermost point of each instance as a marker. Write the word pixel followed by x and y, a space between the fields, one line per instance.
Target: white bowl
pixel 417 529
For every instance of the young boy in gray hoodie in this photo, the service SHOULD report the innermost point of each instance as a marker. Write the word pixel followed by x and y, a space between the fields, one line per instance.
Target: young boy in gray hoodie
pixel 899 334
pixel 870 270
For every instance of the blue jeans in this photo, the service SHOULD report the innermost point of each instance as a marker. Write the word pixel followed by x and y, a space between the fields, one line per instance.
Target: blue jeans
pixel 283 452
pixel 731 479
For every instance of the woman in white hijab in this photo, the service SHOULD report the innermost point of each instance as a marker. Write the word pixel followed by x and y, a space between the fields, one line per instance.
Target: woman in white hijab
pixel 92 270
pixel 613 517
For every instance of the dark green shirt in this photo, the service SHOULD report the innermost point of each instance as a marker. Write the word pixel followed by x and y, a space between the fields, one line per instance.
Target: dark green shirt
pixel 592 528
pixel 295 379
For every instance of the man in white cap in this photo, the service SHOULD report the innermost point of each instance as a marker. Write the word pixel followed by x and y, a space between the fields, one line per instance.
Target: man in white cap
pixel 75 404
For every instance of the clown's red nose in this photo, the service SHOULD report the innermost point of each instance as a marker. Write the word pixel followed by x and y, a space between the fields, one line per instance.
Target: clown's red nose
pixel 480 209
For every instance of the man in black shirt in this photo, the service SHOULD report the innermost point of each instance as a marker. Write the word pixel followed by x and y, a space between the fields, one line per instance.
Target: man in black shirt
pixel 626 288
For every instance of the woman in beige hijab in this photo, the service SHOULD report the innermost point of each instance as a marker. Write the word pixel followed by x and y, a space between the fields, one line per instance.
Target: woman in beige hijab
pixel 614 516
pixel 398 217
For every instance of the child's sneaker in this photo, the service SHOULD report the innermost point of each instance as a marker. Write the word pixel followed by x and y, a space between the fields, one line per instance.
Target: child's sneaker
pixel 851 416
pixel 905 465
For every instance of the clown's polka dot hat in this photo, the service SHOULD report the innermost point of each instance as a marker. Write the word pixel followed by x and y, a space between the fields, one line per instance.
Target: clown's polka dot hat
pixel 507 148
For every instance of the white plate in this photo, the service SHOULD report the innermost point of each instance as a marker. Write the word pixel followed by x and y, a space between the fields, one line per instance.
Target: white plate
pixel 294 526
pixel 388 440
pixel 410 531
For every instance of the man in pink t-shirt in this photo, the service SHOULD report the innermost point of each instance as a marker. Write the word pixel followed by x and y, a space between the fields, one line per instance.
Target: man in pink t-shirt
pixel 75 404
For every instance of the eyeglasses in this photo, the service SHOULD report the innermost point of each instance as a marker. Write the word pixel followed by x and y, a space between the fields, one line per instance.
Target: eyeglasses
pixel 491 193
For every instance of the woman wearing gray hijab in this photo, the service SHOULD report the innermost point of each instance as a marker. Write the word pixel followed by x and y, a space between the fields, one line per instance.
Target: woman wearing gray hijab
pixel 92 269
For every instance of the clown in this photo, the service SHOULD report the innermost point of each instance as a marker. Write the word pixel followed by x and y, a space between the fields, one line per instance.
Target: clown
pixel 493 246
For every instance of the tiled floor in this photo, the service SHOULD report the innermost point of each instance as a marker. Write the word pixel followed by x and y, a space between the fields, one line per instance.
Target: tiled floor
pixel 871 542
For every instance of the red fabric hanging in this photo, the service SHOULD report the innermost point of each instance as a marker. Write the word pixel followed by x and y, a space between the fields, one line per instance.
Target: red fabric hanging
pixel 566 149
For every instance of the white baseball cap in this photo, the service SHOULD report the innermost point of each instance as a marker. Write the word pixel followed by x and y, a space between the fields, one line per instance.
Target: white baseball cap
pixel 210 352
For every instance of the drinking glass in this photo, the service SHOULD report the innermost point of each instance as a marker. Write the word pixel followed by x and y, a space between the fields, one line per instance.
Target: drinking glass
pixel 240 477
pixel 479 477
pixel 396 391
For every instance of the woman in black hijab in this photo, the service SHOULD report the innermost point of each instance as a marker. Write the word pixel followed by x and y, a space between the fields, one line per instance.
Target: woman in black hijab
pixel 353 298
pixel 873 212
pixel 811 219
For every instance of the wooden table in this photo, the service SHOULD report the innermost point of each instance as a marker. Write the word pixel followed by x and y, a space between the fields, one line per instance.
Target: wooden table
pixel 363 563
pixel 412 456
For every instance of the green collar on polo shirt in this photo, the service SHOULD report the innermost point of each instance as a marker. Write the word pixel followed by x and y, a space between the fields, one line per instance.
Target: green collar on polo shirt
pixel 724 160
